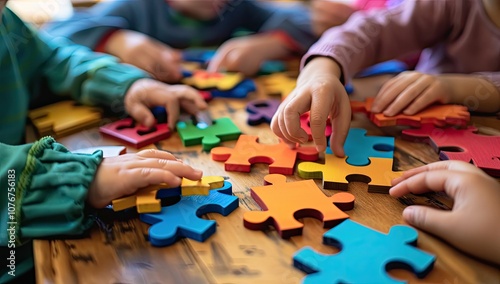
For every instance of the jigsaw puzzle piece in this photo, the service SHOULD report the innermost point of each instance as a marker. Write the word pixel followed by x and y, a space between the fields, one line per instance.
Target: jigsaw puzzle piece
pixel 240 91
pixel 439 115
pixel 278 84
pixel 387 67
pixel 135 135
pixel 248 151
pixel 359 147
pixel 365 255
pixel 222 129
pixel 183 218
pixel 337 173
pixel 261 111
pixel 283 203
pixel 462 145
pixel 305 124
pixel 203 80
pixel 64 118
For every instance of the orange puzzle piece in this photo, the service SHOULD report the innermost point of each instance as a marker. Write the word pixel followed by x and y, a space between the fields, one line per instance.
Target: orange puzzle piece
pixel 283 203
pixel 439 115
pixel 64 118
pixel 248 151
pixel 146 199
pixel 203 80
pixel 337 173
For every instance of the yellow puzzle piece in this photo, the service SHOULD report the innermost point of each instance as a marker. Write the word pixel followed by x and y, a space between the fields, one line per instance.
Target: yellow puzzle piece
pixel 202 80
pixel 337 173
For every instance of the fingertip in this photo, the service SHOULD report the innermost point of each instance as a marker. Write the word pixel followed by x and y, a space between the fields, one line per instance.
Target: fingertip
pixel 409 215
pixel 320 148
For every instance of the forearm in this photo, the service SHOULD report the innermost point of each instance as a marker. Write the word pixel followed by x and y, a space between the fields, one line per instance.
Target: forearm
pixel 477 93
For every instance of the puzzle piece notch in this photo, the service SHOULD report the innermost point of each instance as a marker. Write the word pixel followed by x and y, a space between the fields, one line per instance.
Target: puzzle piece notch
pixel 439 115
pixel 183 218
pixel 204 80
pixel 64 118
pixel 462 145
pixel 337 173
pixel 365 255
pixel 138 136
pixel 248 151
pixel 283 203
pixel 261 111
pixel 305 123
pixel 359 147
pixel 222 129
pixel 147 200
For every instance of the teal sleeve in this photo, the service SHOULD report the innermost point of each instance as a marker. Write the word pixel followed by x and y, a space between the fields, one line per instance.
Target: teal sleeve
pixel 44 193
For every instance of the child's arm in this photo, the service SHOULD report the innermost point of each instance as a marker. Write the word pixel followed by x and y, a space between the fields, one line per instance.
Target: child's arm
pixel 472 224
pixel 410 92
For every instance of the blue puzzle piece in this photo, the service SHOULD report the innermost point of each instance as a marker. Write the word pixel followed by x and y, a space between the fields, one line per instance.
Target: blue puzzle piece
pixel 183 218
pixel 388 67
pixel 365 257
pixel 202 56
pixel 239 91
pixel 359 148
pixel 272 66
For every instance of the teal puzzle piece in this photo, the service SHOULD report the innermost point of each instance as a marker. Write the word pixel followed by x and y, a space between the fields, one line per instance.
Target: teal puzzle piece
pixel 365 257
pixel 359 148
pixel 222 129
pixel 183 218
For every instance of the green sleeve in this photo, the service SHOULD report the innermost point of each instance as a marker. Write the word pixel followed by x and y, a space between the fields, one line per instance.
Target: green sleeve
pixel 44 191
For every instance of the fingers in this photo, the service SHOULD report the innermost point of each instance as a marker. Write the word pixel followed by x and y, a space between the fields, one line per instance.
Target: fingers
pixel 286 124
pixel 217 61
pixel 318 116
pixel 390 90
pixel 427 97
pixel 437 222
pixel 153 153
pixel 436 180
pixel 409 94
pixel 341 122
pixel 141 177
pixel 141 114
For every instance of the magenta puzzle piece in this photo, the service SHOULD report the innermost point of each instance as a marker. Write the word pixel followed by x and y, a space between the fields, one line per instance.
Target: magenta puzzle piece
pixel 136 135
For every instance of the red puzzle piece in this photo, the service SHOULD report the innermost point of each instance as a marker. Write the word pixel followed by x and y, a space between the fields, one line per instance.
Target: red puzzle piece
pixel 283 203
pixel 439 115
pixel 136 135
pixel 461 144
pixel 248 151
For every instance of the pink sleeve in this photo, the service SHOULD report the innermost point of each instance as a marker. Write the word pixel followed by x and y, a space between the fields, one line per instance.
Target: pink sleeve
pixel 370 4
pixel 380 35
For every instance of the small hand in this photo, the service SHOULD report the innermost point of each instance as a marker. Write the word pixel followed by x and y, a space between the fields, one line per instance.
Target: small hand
pixel 472 224
pixel 140 50
pixel 246 54
pixel 319 91
pixel 410 92
pixel 124 175
pixel 147 93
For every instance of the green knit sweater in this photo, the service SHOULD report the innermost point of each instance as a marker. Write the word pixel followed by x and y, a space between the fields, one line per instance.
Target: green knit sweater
pixel 44 186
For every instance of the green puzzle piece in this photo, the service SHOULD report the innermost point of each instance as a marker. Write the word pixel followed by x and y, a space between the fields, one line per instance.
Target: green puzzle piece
pixel 222 129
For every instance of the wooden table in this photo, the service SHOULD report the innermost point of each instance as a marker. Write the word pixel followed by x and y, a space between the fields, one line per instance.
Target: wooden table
pixel 235 254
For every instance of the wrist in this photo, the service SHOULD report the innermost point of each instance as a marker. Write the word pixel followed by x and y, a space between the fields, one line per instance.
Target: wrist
pixel 326 65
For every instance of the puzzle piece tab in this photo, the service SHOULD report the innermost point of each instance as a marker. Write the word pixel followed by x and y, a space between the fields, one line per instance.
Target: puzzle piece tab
pixel 439 115
pixel 138 136
pixel 183 218
pixel 283 203
pixel 461 144
pixel 365 255
pixel 337 173
pixel 222 129
pixel 64 118
pixel 359 148
pixel 147 200
pixel 203 80
pixel 248 151
pixel 261 111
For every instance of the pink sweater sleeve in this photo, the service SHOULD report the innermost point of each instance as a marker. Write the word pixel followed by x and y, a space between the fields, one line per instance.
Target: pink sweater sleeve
pixel 370 38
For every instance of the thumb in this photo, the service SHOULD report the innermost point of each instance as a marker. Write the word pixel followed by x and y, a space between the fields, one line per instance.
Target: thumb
pixel 434 221
pixel 142 114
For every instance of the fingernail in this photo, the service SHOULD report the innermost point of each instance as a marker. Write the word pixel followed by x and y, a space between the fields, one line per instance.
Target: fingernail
pixel 409 214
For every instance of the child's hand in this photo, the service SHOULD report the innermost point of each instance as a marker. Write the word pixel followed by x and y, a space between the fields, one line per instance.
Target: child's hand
pixel 327 14
pixel 472 225
pixel 124 175
pixel 246 54
pixel 160 60
pixel 410 92
pixel 147 93
pixel 320 91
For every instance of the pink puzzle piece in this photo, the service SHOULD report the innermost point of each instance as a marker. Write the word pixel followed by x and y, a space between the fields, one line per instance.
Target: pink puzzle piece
pixel 461 144
pixel 439 115
pixel 248 151
pixel 283 203
pixel 305 124
pixel 136 135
